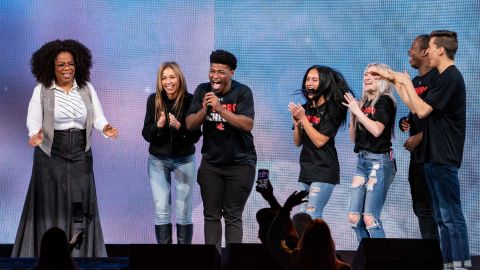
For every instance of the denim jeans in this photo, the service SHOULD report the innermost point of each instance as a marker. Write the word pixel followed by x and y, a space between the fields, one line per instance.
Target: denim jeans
pixel 444 188
pixel 160 171
pixel 225 190
pixel 373 176
pixel 318 196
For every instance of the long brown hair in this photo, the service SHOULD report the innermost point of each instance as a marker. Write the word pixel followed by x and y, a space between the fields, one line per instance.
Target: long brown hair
pixel 182 90
pixel 316 249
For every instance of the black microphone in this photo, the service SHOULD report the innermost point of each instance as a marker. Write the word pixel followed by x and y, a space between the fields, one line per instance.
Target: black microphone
pixel 209 107
pixel 77 212
pixel 77 216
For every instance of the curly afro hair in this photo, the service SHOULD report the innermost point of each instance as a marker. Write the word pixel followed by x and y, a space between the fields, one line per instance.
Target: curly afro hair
pixel 43 61
pixel 223 57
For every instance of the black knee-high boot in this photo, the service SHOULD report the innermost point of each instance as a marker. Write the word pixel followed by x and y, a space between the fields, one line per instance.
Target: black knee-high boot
pixel 184 233
pixel 163 233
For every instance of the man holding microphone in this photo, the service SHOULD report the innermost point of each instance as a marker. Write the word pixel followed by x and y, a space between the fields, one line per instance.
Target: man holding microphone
pixel 225 110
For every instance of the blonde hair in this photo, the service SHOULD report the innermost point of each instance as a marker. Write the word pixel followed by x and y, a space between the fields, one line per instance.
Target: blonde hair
pixel 182 90
pixel 384 88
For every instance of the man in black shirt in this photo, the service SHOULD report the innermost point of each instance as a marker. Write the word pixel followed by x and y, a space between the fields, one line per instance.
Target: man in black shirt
pixel 422 206
pixel 224 108
pixel 444 109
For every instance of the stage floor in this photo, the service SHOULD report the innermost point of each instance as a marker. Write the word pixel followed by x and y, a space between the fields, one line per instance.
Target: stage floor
pixel 119 258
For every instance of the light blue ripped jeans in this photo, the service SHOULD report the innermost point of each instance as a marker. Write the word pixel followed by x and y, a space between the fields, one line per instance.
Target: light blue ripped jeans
pixel 318 195
pixel 160 171
pixel 373 176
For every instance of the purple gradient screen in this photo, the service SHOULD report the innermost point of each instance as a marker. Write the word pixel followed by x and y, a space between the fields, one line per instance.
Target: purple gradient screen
pixel 275 42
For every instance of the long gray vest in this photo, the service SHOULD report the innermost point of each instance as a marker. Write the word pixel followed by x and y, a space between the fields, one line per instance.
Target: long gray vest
pixel 48 106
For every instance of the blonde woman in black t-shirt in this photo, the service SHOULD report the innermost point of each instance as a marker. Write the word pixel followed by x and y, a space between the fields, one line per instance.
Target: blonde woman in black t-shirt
pixel 371 127
pixel 315 125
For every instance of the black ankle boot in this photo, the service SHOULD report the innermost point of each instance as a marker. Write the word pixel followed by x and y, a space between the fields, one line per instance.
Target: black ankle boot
pixel 163 233
pixel 184 233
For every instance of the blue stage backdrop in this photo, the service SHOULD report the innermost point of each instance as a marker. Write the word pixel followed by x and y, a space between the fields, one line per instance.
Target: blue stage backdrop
pixel 275 42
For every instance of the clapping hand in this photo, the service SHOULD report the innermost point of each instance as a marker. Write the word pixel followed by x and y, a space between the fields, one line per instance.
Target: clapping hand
pixel 110 131
pixel 174 123
pixel 297 111
pixel 297 197
pixel 36 139
pixel 161 121
pixel 352 104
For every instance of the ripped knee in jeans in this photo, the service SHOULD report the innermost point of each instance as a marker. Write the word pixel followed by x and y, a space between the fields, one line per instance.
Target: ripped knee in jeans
pixel 354 218
pixel 314 191
pixel 358 181
pixel 370 221
pixel 310 209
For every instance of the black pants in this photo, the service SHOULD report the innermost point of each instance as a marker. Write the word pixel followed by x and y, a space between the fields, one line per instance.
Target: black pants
pixel 422 206
pixel 225 190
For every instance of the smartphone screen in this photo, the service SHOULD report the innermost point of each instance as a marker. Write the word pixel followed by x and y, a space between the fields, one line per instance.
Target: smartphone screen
pixel 262 178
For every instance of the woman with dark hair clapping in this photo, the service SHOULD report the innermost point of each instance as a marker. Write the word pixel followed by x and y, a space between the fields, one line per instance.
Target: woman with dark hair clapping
pixel 315 126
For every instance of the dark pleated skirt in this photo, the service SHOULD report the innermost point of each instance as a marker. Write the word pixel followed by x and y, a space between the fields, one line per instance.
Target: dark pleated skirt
pixel 58 181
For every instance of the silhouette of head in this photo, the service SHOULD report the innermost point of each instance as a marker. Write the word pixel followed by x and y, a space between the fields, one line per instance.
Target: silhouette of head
pixel 55 251
pixel 264 217
pixel 316 245
pixel 300 222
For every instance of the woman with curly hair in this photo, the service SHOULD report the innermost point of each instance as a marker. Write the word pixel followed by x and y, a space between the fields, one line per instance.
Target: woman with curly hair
pixel 315 126
pixel 172 151
pixel 62 112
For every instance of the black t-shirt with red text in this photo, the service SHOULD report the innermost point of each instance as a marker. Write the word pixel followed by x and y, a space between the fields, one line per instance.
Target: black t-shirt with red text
pixel 321 164
pixel 444 131
pixel 384 112
pixel 422 85
pixel 224 144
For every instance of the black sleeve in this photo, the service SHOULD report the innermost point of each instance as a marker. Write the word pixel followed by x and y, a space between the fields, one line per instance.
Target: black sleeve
pixel 383 111
pixel 439 96
pixel 331 121
pixel 245 104
pixel 150 129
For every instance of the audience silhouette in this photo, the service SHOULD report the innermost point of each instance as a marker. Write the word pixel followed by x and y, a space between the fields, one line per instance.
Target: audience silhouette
pixel 55 250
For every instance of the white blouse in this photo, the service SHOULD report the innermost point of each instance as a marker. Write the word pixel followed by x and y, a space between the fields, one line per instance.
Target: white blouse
pixel 70 110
